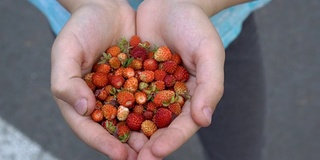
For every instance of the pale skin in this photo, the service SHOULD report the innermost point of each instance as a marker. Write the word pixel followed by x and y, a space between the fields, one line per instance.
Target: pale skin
pixel 183 25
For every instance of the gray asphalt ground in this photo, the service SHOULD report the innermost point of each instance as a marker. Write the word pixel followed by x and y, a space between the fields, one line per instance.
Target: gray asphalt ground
pixel 289 35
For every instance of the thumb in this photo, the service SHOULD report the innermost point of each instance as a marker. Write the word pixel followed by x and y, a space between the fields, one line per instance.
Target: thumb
pixel 67 84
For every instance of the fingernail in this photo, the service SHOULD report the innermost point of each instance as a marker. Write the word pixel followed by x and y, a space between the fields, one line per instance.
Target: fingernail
pixel 81 106
pixel 207 112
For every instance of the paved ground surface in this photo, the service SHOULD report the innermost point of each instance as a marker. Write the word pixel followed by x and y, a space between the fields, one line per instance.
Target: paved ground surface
pixel 31 124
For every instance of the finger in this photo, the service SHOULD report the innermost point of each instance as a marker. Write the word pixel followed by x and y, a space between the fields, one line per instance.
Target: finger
pixel 92 133
pixel 137 140
pixel 209 81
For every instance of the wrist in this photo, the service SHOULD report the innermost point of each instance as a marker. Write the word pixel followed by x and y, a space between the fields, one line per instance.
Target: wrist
pixel 72 5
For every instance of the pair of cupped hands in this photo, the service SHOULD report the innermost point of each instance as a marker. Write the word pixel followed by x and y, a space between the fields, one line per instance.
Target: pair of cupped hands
pixel 93 27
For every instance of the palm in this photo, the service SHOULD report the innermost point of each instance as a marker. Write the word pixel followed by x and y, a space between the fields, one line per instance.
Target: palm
pixel 187 31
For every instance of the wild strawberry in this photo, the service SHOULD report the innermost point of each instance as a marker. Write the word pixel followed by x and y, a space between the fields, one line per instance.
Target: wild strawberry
pixel 88 77
pixel 131 84
pixel 126 98
pixel 134 41
pixel 97 115
pixel 109 111
pixel 162 118
pixel 159 75
pixel 110 99
pixel 136 64
pixel 119 71
pixel 169 66
pixel 100 79
pixel 148 128
pixel 180 100
pixel 146 76
pixel 169 80
pixel 123 132
pixel 109 89
pixel 117 81
pixel 158 85
pixel 105 68
pixel 138 109
pixel 122 113
pixel 151 106
pixel 139 53
pixel 150 54
pixel 90 85
pixel 110 125
pixel 113 50
pixel 180 88
pixel 101 94
pixel 150 64
pixel 175 108
pixel 143 85
pixel 134 121
pixel 181 74
pixel 148 115
pixel 176 57
pixel 145 45
pixel 114 62
pixel 98 104
pixel 128 72
pixel 141 98
pixel 164 98
pixel 122 57
pixel 162 54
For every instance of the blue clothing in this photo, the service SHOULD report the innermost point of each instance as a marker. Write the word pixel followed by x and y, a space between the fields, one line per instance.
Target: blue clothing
pixel 228 22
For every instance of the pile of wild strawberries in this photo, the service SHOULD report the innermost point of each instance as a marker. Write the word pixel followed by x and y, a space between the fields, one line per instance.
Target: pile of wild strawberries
pixel 137 88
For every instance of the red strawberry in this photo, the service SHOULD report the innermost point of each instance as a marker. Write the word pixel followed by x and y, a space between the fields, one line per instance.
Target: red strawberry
pixel 158 85
pixel 146 76
pixel 148 128
pixel 98 104
pixel 117 81
pixel 101 94
pixel 105 68
pixel 122 113
pixel 109 89
pixel 151 106
pixel 131 84
pixel 159 75
pixel 114 62
pixel 134 41
pixel 169 66
pixel 181 74
pixel 128 72
pixel 136 64
pixel 180 100
pixel 123 132
pixel 163 117
pixel 91 85
pixel 100 79
pixel 175 108
pixel 138 109
pixel 150 64
pixel 169 80
pixel 180 88
pixel 162 54
pixel 113 51
pixel 141 97
pixel 176 57
pixel 148 115
pixel 139 53
pixel 109 111
pixel 97 115
pixel 119 71
pixel 134 121
pixel 126 98
pixel 164 98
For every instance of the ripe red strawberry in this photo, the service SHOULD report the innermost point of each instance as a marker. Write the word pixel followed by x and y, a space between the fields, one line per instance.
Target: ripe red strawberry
pixel 105 68
pixel 146 76
pixel 176 57
pixel 175 108
pixel 119 71
pixel 136 64
pixel 128 72
pixel 98 104
pixel 141 97
pixel 181 74
pixel 162 54
pixel 164 98
pixel 109 89
pixel 180 88
pixel 162 118
pixel 159 75
pixel 88 77
pixel 169 66
pixel 169 80
pixel 148 128
pixel 122 113
pixel 100 79
pixel 114 62
pixel 109 111
pixel 101 94
pixel 131 84
pixel 158 85
pixel 91 85
pixel 139 53
pixel 113 50
pixel 148 115
pixel 138 109
pixel 134 121
pixel 151 106
pixel 97 115
pixel 134 41
pixel 150 64
pixel 117 81
pixel 123 132
pixel 126 98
